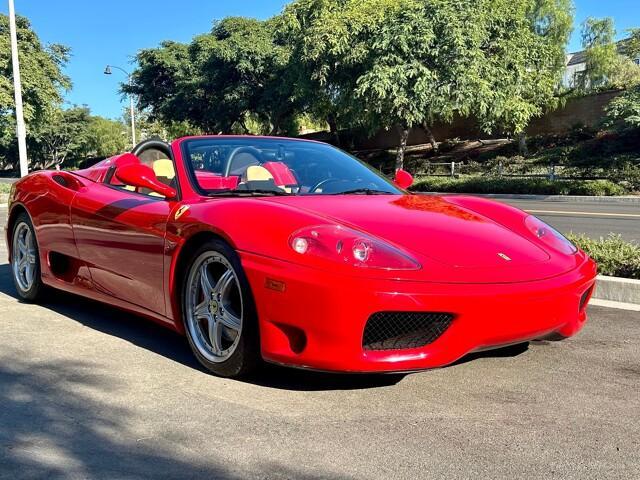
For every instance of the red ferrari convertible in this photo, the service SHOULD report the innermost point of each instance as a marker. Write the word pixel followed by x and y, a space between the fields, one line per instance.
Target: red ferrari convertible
pixel 296 253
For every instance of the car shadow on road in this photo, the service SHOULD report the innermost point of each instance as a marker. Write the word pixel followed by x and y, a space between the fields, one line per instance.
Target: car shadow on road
pixel 162 341
pixel 58 421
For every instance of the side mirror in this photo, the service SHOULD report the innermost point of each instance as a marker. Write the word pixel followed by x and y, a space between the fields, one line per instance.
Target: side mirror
pixel 142 176
pixel 403 179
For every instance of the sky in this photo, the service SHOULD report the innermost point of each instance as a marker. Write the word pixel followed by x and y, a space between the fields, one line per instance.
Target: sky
pixel 102 32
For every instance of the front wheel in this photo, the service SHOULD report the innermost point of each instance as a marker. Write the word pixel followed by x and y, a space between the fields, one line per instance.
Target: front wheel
pixel 219 313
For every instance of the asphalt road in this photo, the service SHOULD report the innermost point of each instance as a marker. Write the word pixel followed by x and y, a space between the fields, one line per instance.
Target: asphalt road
pixel 591 218
pixel 87 391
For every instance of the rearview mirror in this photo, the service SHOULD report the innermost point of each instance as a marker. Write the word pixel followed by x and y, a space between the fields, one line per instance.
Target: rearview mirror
pixel 403 179
pixel 142 176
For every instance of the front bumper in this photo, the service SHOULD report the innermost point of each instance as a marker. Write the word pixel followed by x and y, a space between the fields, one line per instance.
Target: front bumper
pixel 316 319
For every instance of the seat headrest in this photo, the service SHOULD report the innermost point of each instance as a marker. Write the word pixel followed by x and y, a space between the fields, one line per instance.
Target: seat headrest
pixel 257 173
pixel 164 168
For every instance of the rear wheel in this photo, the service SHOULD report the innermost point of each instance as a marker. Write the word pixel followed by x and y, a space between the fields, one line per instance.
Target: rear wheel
pixel 25 260
pixel 219 312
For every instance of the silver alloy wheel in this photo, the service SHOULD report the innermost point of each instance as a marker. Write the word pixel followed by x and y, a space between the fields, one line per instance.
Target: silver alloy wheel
pixel 214 307
pixel 24 255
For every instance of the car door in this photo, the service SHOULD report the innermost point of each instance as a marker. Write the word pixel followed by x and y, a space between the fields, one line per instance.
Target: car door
pixel 120 234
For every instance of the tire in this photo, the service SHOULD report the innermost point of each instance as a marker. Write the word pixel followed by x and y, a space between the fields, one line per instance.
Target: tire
pixel 219 312
pixel 25 267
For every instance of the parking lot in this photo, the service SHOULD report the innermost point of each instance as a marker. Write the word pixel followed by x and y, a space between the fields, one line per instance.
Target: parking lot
pixel 90 392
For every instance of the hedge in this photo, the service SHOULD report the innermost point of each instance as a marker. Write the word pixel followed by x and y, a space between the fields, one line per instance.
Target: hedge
pixel 615 256
pixel 534 186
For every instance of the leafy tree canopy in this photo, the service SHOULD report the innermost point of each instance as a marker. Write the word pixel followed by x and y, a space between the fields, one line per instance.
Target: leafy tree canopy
pixel 75 134
pixel 632 45
pixel 598 40
pixel 220 79
pixel 43 83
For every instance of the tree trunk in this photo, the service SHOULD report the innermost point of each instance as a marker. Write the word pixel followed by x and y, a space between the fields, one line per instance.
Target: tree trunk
pixel 522 144
pixel 432 139
pixel 333 129
pixel 243 126
pixel 403 130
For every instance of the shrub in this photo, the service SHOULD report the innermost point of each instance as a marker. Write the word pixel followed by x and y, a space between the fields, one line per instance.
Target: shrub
pixel 5 188
pixel 624 110
pixel 533 186
pixel 615 256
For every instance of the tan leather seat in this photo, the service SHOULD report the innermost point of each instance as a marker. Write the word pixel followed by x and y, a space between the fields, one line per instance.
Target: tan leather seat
pixel 256 173
pixel 164 170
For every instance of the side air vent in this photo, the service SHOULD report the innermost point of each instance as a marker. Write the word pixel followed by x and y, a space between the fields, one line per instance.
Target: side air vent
pixel 60 180
pixel 402 330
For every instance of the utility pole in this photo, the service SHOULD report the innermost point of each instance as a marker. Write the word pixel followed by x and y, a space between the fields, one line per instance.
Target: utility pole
pixel 17 86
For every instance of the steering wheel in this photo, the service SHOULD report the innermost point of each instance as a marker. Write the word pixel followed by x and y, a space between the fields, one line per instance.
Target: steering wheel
pixel 257 154
pixel 327 181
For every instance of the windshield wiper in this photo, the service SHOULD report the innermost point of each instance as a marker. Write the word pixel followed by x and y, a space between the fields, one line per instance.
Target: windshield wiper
pixel 364 191
pixel 247 193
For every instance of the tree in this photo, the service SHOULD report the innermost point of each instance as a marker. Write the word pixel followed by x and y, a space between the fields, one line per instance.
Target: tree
pixel 625 73
pixel 64 134
pixel 600 48
pixel 148 127
pixel 325 60
pixel 632 44
pixel 220 80
pixel 43 82
pixel 520 62
pixel 415 69
pixel 74 134
pixel 377 63
pixel 105 137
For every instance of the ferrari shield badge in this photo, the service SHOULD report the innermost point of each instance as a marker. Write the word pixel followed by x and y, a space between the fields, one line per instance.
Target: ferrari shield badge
pixel 181 211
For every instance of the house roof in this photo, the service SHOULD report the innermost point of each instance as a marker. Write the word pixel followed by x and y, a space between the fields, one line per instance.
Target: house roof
pixel 577 58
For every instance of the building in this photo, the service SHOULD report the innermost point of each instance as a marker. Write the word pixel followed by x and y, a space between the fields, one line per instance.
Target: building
pixel 576 64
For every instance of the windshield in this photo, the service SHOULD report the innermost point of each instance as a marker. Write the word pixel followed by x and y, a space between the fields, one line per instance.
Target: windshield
pixel 271 166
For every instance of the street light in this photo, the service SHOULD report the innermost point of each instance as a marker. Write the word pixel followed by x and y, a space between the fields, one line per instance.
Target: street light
pixel 17 87
pixel 108 71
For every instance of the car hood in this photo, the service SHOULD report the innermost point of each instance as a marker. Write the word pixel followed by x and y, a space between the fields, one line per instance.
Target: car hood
pixel 445 235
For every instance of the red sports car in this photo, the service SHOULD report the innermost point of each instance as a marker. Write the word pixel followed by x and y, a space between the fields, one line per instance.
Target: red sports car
pixel 296 253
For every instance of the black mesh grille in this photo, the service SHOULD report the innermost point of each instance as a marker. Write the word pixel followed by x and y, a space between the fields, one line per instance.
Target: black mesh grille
pixel 400 330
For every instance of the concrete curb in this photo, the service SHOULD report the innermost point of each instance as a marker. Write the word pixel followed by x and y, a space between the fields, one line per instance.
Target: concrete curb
pixel 615 289
pixel 627 199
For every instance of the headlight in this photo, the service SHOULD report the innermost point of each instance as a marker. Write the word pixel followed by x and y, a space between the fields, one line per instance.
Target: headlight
pixel 549 235
pixel 350 247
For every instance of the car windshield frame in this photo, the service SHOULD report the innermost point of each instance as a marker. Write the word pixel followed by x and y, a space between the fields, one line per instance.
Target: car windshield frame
pixel 187 146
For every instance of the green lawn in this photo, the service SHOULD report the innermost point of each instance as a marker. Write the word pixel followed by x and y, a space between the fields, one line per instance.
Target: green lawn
pixel 5 188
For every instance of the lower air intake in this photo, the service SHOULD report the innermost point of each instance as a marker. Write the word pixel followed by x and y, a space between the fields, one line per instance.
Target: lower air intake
pixel 402 330
pixel 585 299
